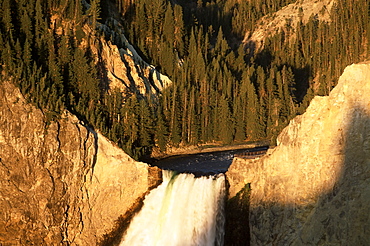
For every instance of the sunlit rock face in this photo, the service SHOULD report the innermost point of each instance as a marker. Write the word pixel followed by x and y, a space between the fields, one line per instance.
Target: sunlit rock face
pixel 123 69
pixel 60 182
pixel 287 19
pixel 314 187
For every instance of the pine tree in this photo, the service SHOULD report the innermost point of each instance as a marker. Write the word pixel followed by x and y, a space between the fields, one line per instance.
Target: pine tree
pixel 225 121
pixel 179 31
pixel 221 46
pixel 7 19
pixel 239 117
pixel 94 12
pixel 145 124
pixel 168 25
pixel 254 124
pixel 161 130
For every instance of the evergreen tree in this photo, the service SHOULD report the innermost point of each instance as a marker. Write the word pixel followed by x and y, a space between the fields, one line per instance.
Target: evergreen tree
pixel 161 130
pixel 225 122
pixel 168 25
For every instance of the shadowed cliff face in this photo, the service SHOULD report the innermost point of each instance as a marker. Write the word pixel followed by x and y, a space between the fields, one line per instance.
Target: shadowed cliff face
pixel 314 187
pixel 60 182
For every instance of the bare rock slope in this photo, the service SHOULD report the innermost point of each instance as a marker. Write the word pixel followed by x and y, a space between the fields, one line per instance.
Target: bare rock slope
pixel 124 69
pixel 314 187
pixel 60 182
pixel 287 19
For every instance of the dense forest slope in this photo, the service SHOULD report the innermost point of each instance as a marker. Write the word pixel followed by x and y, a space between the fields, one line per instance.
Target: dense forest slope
pixel 314 187
pixel 204 85
pixel 224 91
pixel 61 182
pixel 62 58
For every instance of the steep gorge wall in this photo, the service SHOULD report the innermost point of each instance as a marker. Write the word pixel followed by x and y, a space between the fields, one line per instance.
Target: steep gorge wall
pixel 314 187
pixel 61 183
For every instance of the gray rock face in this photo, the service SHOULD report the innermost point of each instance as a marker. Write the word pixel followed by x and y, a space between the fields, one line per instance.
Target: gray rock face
pixel 61 182
pixel 314 187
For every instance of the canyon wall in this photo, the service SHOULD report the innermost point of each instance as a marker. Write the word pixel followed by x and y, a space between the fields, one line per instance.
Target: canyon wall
pixel 61 182
pixel 313 188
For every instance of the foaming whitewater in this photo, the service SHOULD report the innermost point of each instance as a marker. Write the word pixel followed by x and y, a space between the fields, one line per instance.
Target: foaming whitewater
pixel 183 210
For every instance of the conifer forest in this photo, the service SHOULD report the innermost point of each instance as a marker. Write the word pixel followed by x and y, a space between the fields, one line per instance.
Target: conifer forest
pixel 223 90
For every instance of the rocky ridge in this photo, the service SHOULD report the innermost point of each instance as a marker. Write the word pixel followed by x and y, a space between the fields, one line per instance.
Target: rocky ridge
pixel 287 19
pixel 120 65
pixel 125 69
pixel 61 182
pixel 314 187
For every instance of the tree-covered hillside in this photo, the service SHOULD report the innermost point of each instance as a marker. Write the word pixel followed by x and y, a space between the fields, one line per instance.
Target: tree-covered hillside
pixel 222 91
pixel 46 50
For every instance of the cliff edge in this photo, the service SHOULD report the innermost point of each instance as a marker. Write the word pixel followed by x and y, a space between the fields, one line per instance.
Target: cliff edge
pixel 61 182
pixel 314 187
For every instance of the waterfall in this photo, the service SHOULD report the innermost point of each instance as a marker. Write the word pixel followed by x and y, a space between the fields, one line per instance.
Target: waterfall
pixel 183 210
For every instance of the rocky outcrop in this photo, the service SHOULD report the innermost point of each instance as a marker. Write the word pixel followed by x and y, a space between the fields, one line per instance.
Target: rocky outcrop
pixel 123 67
pixel 314 187
pixel 287 20
pixel 61 182
pixel 120 66
pixel 128 73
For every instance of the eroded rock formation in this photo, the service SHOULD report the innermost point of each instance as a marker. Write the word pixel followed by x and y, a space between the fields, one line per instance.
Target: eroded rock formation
pixel 127 72
pixel 287 20
pixel 122 66
pixel 314 187
pixel 60 182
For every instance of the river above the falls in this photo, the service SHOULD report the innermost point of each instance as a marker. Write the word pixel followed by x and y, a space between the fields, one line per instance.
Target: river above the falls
pixel 203 163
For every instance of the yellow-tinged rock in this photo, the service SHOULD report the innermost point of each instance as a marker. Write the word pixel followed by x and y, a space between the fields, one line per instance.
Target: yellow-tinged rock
pixel 314 187
pixel 61 182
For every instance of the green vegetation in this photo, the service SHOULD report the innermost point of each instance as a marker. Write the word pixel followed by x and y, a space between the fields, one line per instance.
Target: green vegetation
pixel 221 91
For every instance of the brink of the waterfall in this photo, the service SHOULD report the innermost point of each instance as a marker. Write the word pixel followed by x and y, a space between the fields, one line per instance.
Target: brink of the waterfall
pixel 183 210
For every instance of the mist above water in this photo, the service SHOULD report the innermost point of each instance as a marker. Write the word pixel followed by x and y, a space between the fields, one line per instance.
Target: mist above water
pixel 183 210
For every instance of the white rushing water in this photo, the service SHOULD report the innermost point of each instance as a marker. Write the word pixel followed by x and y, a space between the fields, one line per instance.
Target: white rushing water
pixel 183 210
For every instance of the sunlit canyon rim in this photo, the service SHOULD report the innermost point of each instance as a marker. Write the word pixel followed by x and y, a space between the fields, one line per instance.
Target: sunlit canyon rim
pixel 314 187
